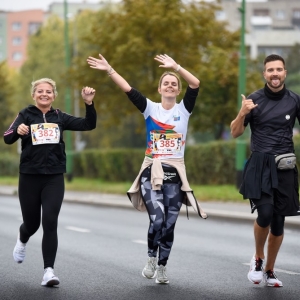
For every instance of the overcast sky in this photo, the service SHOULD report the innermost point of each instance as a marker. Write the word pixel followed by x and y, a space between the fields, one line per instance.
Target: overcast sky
pixel 15 5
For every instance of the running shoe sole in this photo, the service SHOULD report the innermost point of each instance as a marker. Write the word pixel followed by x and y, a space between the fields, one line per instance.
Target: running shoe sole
pixel 161 282
pixel 274 285
pixel 256 281
pixel 148 276
pixel 50 282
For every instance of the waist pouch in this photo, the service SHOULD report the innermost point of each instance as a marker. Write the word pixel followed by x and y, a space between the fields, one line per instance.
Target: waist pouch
pixel 170 174
pixel 285 161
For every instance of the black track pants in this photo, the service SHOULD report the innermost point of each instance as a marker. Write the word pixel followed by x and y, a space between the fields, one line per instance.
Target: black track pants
pixel 41 193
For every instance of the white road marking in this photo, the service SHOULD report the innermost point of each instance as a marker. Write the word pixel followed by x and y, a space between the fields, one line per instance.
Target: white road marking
pixel 77 229
pixel 140 242
pixel 279 270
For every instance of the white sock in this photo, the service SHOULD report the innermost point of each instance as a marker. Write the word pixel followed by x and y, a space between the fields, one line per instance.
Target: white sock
pixel 19 243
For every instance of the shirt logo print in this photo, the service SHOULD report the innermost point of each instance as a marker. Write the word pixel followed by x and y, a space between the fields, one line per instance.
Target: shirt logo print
pixel 169 176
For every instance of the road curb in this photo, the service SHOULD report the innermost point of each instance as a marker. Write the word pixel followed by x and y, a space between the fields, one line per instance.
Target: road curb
pixel 226 210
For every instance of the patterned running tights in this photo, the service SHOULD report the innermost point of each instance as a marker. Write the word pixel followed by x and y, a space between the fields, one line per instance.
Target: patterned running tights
pixel 163 208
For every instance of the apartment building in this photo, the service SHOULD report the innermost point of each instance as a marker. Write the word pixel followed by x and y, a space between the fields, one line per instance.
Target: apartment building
pixel 19 26
pixel 16 28
pixel 272 26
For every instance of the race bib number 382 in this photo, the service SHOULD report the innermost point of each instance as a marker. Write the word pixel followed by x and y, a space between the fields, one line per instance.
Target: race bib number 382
pixel 45 133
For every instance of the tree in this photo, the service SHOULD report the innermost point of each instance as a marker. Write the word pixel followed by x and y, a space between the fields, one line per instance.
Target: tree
pixel 293 67
pixel 7 77
pixel 45 58
pixel 131 37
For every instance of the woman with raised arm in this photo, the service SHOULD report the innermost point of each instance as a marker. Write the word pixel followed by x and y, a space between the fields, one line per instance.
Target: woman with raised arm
pixel 161 185
pixel 43 162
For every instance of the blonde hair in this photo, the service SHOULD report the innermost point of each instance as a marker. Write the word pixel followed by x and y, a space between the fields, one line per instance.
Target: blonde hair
pixel 43 80
pixel 172 74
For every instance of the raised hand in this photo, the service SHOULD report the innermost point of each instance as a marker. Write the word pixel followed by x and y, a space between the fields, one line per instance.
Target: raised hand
pixel 88 94
pixel 98 63
pixel 167 61
pixel 247 105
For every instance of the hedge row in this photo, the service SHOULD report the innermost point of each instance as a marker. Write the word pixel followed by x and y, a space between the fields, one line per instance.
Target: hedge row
pixel 209 163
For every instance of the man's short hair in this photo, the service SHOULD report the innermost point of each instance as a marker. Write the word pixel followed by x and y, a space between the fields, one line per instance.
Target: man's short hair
pixel 273 57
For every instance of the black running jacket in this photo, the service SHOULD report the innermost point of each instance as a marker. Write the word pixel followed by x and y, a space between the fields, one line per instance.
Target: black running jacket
pixel 47 158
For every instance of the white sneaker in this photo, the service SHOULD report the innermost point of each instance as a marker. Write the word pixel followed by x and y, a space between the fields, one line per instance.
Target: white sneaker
pixel 19 251
pixel 49 278
pixel 161 274
pixel 270 279
pixel 255 274
pixel 149 270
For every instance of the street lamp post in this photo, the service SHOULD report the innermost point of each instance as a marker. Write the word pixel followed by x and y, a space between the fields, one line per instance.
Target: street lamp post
pixel 241 141
pixel 68 135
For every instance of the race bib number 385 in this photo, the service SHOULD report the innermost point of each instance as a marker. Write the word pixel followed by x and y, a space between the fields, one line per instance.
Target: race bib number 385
pixel 45 133
pixel 166 143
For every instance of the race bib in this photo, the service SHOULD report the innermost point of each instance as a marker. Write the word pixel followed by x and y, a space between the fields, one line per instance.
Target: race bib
pixel 166 143
pixel 45 133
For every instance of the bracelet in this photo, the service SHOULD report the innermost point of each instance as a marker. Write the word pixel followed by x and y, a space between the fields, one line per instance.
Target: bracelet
pixel 110 71
pixel 178 68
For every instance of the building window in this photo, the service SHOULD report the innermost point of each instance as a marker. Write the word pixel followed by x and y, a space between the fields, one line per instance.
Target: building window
pixel 17 56
pixel 296 17
pixel 17 41
pixel 296 13
pixel 280 14
pixel 261 12
pixel 33 28
pixel 16 26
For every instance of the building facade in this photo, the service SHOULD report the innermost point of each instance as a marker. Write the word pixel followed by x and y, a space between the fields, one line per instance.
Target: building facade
pixel 272 26
pixel 20 25
pixel 17 27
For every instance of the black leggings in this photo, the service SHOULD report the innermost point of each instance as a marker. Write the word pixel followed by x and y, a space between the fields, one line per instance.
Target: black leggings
pixel 46 193
pixel 266 217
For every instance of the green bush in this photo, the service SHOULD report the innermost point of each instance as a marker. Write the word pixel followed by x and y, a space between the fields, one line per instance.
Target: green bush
pixel 9 164
pixel 108 164
pixel 209 163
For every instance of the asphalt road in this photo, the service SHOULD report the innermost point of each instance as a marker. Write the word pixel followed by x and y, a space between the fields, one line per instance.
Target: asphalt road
pixel 102 251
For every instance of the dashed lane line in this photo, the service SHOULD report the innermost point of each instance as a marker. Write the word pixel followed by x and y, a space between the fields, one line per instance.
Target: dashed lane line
pixel 84 230
pixel 140 242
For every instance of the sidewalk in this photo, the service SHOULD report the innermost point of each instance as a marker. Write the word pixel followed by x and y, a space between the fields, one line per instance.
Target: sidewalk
pixel 213 209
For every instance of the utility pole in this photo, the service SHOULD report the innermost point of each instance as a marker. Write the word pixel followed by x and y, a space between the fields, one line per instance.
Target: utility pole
pixel 241 141
pixel 68 134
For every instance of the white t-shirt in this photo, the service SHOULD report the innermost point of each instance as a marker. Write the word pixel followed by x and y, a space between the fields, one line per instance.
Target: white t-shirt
pixel 166 130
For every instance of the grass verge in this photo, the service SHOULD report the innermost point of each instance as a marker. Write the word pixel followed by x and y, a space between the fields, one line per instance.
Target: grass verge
pixel 225 193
